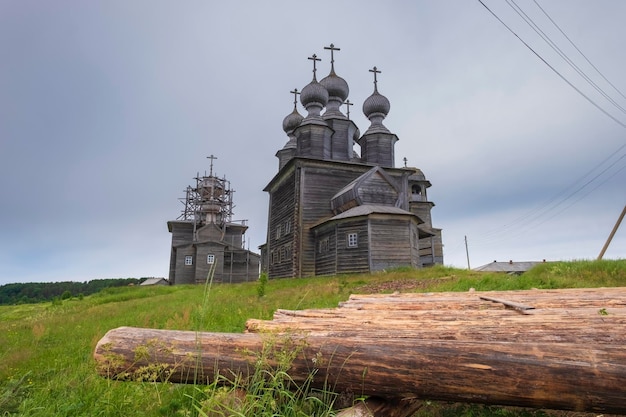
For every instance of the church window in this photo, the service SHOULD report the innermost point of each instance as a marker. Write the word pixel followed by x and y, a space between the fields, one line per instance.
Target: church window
pixel 188 260
pixel 210 259
pixel 353 240
pixel 278 231
pixel 324 245
pixel 287 227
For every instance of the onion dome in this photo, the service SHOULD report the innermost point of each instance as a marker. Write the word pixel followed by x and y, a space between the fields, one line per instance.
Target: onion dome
pixel 292 121
pixel 314 94
pixel 376 104
pixel 338 91
pixel 336 86
pixel 376 107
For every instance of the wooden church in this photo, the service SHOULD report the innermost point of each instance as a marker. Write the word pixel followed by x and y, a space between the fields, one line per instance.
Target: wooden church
pixel 206 242
pixel 338 204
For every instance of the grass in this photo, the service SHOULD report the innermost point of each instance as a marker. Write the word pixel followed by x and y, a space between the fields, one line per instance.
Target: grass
pixel 46 365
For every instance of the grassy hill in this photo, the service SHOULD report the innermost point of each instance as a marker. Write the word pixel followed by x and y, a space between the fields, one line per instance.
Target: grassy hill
pixel 46 365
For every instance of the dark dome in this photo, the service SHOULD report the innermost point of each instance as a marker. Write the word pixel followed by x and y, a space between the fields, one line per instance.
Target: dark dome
pixel 314 92
pixel 336 86
pixel 292 121
pixel 376 103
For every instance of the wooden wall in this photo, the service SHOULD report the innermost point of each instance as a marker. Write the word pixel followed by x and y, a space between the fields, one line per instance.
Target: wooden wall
pixel 282 213
pixel 391 242
pixel 353 260
pixel 318 185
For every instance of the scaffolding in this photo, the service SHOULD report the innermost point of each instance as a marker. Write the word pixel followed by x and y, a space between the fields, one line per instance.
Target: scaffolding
pixel 209 202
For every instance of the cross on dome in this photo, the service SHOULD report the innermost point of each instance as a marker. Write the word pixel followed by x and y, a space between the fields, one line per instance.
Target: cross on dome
pixel 314 58
pixel 332 49
pixel 295 93
pixel 375 71
pixel 348 104
pixel 211 158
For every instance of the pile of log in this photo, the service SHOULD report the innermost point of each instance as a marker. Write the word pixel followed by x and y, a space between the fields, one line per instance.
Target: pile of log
pixel 557 349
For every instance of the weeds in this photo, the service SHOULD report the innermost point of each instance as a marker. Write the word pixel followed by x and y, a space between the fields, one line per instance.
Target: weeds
pixel 269 390
pixel 46 365
pixel 12 394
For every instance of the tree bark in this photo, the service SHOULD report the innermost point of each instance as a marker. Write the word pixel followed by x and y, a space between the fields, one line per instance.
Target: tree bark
pixel 563 350
pixel 562 376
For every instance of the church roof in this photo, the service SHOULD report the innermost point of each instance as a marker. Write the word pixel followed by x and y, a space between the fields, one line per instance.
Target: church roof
pixel 371 209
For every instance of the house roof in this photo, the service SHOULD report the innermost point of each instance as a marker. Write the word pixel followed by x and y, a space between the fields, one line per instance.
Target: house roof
pixel 155 281
pixel 508 267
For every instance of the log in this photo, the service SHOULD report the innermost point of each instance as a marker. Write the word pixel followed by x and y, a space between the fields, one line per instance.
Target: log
pixel 565 376
pixel 566 352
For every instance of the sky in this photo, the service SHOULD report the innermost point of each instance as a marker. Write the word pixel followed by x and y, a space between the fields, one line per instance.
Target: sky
pixel 108 109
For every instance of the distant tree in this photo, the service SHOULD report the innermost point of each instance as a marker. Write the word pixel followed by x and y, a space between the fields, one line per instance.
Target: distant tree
pixel 35 292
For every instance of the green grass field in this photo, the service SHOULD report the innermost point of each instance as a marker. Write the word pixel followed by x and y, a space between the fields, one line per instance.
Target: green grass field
pixel 46 365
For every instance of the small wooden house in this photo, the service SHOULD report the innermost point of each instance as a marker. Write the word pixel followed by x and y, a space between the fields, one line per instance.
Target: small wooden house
pixel 334 210
pixel 154 281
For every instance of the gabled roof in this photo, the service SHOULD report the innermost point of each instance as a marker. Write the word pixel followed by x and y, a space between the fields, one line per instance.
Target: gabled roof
pixel 350 195
pixel 370 209
pixel 155 281
pixel 367 210
pixel 509 267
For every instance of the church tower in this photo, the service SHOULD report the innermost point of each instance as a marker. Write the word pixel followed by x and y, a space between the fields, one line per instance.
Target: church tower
pixel 377 143
pixel 206 242
pixel 332 211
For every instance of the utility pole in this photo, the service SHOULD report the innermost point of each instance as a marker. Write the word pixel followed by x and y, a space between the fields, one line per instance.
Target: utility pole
pixel 467 253
pixel 608 241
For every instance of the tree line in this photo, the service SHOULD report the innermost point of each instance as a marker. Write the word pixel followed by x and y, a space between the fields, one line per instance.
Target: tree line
pixel 36 292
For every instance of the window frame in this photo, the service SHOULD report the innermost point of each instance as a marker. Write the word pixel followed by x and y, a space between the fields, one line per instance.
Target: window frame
pixel 352 240
pixel 188 260
pixel 210 259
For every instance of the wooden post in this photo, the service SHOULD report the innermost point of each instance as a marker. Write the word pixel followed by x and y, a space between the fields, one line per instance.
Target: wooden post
pixel 467 254
pixel 608 241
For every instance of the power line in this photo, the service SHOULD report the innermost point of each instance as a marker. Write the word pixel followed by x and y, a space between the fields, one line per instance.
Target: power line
pixel 558 199
pixel 579 51
pixel 596 105
pixel 562 54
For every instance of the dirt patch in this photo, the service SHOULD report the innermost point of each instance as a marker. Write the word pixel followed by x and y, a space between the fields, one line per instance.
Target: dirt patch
pixel 403 285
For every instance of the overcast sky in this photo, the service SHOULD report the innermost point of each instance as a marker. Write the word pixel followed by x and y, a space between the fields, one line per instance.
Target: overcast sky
pixel 108 109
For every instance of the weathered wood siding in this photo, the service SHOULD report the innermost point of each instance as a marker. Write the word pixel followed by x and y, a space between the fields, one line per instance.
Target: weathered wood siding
pixel 353 259
pixel 376 190
pixel 182 232
pixel 389 242
pixel 302 193
pixel 326 253
pixel 282 256
pixel 240 266
pixel 422 210
pixel 341 148
pixel 318 185
pixel 378 148
pixel 201 266
pixel 185 274
pixel 313 141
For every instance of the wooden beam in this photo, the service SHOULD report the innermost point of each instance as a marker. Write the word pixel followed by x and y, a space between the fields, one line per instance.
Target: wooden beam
pixel 508 304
